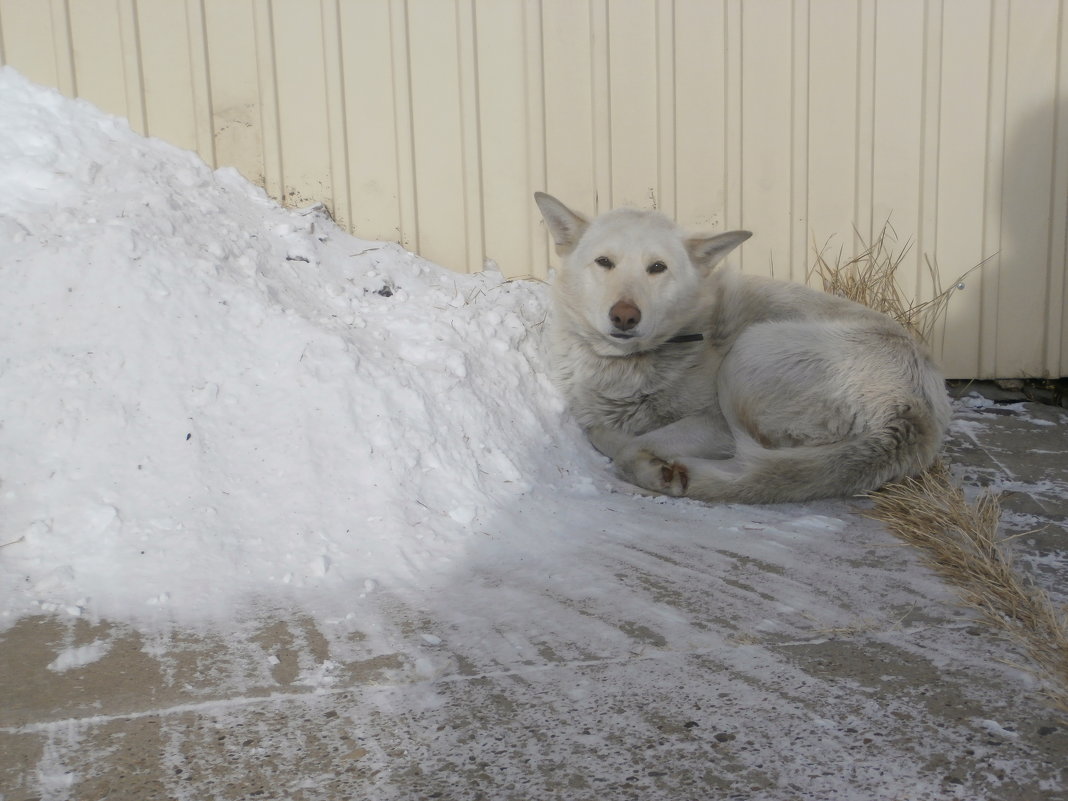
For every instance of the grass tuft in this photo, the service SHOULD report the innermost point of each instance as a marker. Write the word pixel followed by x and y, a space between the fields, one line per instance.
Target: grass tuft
pixel 870 278
pixel 959 541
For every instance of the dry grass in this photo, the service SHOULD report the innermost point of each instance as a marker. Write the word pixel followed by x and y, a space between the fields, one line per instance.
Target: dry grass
pixel 959 541
pixel 871 278
pixel 860 625
pixel 744 638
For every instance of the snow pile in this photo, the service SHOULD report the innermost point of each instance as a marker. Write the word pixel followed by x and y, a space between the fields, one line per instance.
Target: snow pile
pixel 205 397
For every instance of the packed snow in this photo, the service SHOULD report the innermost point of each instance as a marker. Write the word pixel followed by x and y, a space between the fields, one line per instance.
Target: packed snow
pixel 208 398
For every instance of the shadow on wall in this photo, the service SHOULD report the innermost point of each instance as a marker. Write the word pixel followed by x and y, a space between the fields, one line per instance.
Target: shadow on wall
pixel 1022 332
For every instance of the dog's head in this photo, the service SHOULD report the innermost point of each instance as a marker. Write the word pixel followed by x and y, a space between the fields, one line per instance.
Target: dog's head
pixel 631 280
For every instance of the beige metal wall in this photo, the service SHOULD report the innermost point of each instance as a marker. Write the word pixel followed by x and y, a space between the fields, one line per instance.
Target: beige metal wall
pixel 431 122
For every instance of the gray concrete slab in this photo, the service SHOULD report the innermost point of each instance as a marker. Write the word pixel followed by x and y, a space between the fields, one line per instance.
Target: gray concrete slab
pixel 843 671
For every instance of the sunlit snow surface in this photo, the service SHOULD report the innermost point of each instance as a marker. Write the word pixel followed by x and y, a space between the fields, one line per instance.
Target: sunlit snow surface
pixel 206 397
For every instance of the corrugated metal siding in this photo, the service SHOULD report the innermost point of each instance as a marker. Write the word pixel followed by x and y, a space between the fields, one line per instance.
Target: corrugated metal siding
pixel 431 122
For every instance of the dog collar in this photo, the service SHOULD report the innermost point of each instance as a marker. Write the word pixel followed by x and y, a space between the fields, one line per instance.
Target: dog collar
pixel 687 338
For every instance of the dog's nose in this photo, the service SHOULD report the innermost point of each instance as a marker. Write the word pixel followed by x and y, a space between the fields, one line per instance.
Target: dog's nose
pixel 624 315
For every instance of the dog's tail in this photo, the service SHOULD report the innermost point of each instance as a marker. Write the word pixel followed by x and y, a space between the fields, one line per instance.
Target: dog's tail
pixel 904 444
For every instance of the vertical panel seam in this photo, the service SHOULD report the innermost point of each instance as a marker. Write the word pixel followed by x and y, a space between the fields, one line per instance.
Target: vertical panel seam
pixel 989 305
pixel 470 134
pixel 607 120
pixel 203 107
pixel 672 104
pixel 336 111
pixel 736 78
pixel 734 118
pixel 267 81
pixel 601 104
pixel 1053 357
pixel 932 242
pixel 859 109
pixel 406 167
pixel 739 78
pixel 130 36
pixel 930 106
pixel 985 284
pixel 925 66
pixel 799 139
pixel 63 48
pixel 543 177
pixel 594 109
pixel 666 129
pixel 537 147
pixel 864 168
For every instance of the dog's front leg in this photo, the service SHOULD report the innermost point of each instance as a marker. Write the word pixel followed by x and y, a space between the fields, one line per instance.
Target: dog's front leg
pixel 609 441
pixel 650 460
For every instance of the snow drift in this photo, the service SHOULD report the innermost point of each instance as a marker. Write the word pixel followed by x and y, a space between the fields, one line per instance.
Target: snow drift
pixel 205 397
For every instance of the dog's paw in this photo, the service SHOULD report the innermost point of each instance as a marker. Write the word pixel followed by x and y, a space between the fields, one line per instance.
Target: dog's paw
pixel 675 477
pixel 660 475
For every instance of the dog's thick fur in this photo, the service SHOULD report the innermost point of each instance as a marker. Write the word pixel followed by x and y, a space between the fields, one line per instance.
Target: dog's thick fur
pixel 789 394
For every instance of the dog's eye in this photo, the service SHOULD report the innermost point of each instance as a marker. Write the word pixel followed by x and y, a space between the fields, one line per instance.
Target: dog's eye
pixel 605 262
pixel 656 267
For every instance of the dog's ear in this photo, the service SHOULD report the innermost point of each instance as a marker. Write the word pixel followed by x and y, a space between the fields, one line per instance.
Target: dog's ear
pixel 708 251
pixel 565 225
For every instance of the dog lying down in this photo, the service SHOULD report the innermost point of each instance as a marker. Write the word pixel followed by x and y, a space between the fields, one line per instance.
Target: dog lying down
pixel 710 384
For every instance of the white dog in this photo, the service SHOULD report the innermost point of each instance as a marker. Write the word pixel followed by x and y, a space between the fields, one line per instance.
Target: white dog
pixel 720 386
